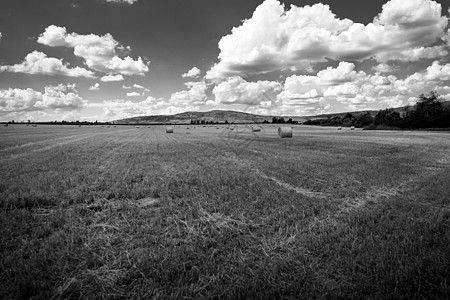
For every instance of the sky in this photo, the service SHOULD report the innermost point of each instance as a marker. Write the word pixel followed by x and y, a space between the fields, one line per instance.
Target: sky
pixel 105 60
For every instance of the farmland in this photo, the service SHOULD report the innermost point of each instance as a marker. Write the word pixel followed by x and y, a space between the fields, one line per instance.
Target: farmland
pixel 125 212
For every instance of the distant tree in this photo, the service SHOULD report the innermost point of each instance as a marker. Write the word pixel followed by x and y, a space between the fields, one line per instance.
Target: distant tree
pixel 289 121
pixel 388 117
pixel 348 120
pixel 427 113
pixel 279 120
pixel 363 120
pixel 265 122
pixel 226 121
pixel 348 116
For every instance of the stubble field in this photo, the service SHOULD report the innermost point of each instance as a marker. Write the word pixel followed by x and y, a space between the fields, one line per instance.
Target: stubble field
pixel 125 213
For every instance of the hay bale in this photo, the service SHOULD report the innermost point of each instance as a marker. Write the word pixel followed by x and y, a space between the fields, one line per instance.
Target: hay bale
pixel 352 128
pixel 169 129
pixel 339 128
pixel 285 132
pixel 256 129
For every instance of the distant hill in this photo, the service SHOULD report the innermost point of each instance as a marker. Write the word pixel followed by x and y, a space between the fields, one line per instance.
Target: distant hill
pixel 401 110
pixel 214 115
pixel 238 117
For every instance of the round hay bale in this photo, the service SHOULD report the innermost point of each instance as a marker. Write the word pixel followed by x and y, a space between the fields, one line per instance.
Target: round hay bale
pixel 256 129
pixel 339 128
pixel 169 129
pixel 285 132
pixel 352 128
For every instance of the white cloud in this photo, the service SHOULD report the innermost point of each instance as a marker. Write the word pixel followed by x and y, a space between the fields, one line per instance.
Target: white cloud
pixel 95 87
pixel 384 68
pixel 109 78
pixel 274 39
pixel 19 100
pixel 123 1
pixel 138 86
pixel 342 88
pixel 414 54
pixel 56 98
pixel 61 97
pixel 236 90
pixel 192 73
pixel 119 109
pixel 99 52
pixel 38 63
pixel 343 73
pixel 446 38
pixel 133 94
pixel 435 72
pixel 194 95
pixel 126 87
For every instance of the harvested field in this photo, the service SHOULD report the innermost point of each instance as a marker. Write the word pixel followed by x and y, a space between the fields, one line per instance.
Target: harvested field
pixel 125 212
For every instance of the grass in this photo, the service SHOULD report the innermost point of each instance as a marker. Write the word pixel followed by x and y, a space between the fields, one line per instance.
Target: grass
pixel 128 212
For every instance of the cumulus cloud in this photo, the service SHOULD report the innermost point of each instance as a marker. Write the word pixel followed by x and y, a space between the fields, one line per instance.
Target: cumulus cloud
pixel 59 97
pixel 19 100
pixel 99 52
pixel 414 54
pixel 192 73
pixel 275 38
pixel 95 87
pixel 38 63
pixel 109 78
pixel 346 89
pixel 384 68
pixel 236 90
pixel 194 95
pixel 433 73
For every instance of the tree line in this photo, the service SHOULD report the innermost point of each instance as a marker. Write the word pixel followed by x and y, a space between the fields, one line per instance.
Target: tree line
pixel 428 112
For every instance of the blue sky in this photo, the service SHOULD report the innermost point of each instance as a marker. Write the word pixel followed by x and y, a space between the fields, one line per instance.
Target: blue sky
pixel 111 59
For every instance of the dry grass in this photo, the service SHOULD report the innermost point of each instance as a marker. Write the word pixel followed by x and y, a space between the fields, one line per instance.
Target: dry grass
pixel 120 213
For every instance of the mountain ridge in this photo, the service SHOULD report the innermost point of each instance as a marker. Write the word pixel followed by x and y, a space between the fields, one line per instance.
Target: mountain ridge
pixel 239 117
